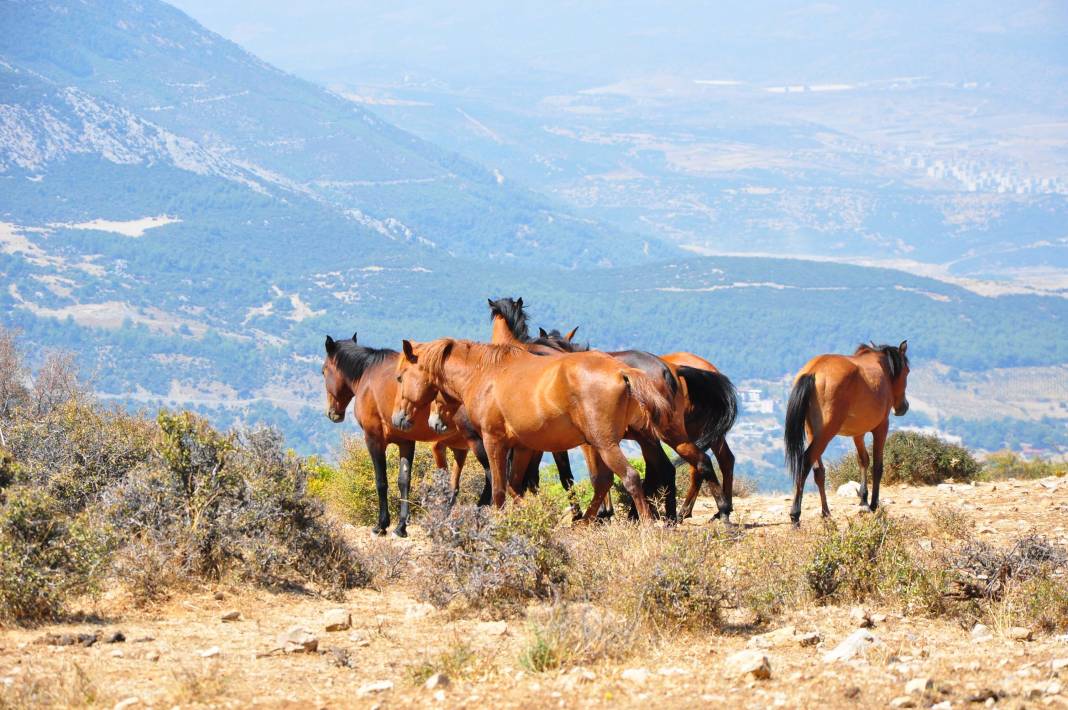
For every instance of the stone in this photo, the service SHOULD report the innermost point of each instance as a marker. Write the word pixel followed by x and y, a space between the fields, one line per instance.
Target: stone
pixel 852 692
pixel 747 664
pixel 337 620
pixel 918 686
pixel 582 675
pixel 903 701
pixel 772 639
pixel 492 628
pixel 151 655
pixel 1058 664
pixel 849 489
pixel 980 632
pixel 418 611
pixel 635 675
pixel 359 638
pixel 808 639
pixel 298 640
pixel 944 705
pixel 878 618
pixel 127 703
pixel 856 644
pixel 232 615
pixel 860 618
pixel 669 671
pixel 374 687
pixel 117 653
pixel 436 681
pixel 114 636
pixel 219 596
pixel 209 652
pixel 1019 633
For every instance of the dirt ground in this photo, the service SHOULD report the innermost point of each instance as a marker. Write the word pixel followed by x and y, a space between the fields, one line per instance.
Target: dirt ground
pixel 184 654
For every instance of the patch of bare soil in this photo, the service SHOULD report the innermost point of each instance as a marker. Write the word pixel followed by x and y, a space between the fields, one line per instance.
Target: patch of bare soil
pixel 185 654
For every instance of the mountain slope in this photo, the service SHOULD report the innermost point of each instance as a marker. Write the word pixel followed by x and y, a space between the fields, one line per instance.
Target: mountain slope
pixel 152 64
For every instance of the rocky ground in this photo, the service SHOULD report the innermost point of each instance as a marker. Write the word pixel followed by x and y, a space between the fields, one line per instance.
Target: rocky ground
pixel 234 647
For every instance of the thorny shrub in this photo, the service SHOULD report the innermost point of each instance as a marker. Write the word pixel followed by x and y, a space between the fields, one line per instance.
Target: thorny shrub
pixel 912 458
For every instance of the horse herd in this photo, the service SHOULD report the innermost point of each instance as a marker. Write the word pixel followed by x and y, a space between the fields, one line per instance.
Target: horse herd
pixel 516 397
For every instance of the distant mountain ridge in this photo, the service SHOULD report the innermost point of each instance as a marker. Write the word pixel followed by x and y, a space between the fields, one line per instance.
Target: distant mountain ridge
pixel 140 82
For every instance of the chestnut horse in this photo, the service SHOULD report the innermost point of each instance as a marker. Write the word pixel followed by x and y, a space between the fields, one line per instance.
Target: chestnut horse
pixel 367 375
pixel 849 396
pixel 706 397
pixel 523 402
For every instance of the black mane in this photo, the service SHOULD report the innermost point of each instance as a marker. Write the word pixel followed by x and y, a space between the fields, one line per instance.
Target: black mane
pixel 896 361
pixel 354 360
pixel 556 340
pixel 513 315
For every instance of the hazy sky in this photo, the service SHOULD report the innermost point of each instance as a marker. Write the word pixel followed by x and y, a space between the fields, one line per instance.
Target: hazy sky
pixel 760 40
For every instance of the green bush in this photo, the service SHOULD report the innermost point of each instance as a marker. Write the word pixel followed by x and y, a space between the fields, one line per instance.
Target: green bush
pixel 349 488
pixel 872 558
pixel 912 458
pixel 46 557
pixel 1008 464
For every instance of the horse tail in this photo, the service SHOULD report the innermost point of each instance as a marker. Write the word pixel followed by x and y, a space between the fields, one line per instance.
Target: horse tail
pixel 796 414
pixel 656 406
pixel 713 404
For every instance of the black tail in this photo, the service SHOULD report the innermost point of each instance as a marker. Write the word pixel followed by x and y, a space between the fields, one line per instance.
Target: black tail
pixel 714 404
pixel 796 413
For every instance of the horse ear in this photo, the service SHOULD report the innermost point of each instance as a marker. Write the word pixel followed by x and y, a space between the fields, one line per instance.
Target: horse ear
pixel 519 301
pixel 571 335
pixel 331 346
pixel 542 333
pixel 409 352
pixel 903 347
pixel 354 336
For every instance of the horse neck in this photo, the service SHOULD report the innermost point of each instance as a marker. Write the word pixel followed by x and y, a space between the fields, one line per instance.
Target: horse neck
pixel 502 334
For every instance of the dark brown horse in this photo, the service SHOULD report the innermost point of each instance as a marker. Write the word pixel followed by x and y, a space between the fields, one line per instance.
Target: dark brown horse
pixel 706 398
pixel 368 376
pixel 523 402
pixel 847 395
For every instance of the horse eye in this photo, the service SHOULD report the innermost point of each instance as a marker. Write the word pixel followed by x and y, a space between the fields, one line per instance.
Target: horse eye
pixel 398 378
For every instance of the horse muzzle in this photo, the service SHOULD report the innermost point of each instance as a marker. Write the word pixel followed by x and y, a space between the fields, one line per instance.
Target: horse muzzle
pixel 437 424
pixel 902 409
pixel 401 420
pixel 335 417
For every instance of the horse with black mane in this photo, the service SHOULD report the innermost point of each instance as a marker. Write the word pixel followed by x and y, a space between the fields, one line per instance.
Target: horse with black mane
pixel 352 372
pixel 705 397
pixel 847 395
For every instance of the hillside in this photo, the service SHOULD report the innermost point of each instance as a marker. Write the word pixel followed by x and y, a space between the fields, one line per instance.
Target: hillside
pixel 142 84
pixel 192 222
pixel 397 640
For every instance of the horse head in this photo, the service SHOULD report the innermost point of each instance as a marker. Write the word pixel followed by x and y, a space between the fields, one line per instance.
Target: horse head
pixel 338 388
pixel 901 380
pixel 415 387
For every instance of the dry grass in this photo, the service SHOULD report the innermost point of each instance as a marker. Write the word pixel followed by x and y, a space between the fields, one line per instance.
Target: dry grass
pixel 70 687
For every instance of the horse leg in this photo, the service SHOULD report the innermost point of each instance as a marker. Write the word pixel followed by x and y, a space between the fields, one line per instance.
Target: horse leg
pixel 613 456
pixel 532 474
pixel 601 478
pixel 604 505
pixel 459 456
pixel 377 451
pixel 878 440
pixel 567 480
pixel 819 475
pixel 702 471
pixel 863 461
pixel 819 440
pixel 725 459
pixel 518 474
pixel 404 485
pixel 497 454
pixel 659 476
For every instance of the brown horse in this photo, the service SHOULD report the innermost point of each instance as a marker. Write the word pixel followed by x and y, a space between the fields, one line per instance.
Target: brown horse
pixel 523 402
pixel 849 396
pixel 705 397
pixel 367 375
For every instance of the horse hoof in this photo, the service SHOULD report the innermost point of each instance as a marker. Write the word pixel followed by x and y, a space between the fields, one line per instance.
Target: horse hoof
pixel 378 531
pixel 399 532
